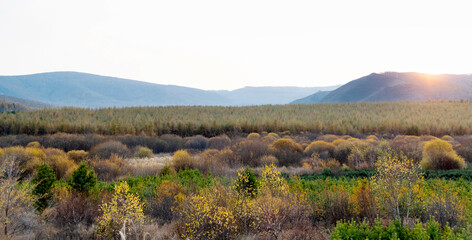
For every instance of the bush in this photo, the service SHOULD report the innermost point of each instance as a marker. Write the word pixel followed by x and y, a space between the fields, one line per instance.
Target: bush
pixel 83 179
pixel 248 152
pixel 167 169
pixel 253 136
pixel 110 169
pixel 44 181
pixel 173 142
pixel 108 148
pixel 34 144
pixel 267 160
pixel 207 215
pixel 70 212
pixel 198 143
pixel 219 142
pixel 324 149
pixel 465 150
pixel 286 151
pixel 166 196
pixel 143 152
pixel 411 146
pixel 124 212
pixel 210 161
pixel 77 155
pixel 62 166
pixel 247 184
pixel 182 160
pixel 438 154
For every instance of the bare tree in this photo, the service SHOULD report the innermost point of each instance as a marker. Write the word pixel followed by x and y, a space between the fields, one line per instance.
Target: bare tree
pixel 16 202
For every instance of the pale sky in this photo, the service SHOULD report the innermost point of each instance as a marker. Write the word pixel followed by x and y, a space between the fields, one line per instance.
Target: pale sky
pixel 225 44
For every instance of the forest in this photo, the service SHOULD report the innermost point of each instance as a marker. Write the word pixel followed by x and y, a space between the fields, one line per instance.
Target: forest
pixel 322 171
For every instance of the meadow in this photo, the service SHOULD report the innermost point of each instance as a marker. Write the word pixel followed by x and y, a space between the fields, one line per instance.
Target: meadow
pixel 396 171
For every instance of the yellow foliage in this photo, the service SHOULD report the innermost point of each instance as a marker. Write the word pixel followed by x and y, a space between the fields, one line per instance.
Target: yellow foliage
pixel 320 147
pixel 182 160
pixel 34 144
pixel 77 155
pixel 124 209
pixel 438 154
pixel 253 136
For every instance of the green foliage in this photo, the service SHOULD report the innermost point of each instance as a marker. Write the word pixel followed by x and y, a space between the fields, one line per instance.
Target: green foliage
pixel 44 181
pixel 350 230
pixel 83 179
pixel 247 183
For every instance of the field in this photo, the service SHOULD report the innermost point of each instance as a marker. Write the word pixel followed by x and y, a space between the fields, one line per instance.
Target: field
pixel 324 171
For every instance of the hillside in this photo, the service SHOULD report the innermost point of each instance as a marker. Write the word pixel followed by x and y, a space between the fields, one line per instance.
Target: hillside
pixel 393 86
pixel 89 90
pixel 313 98
pixel 24 102
pixel 269 95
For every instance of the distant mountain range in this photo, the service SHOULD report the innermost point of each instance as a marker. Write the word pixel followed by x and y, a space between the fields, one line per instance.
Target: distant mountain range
pixel 394 86
pixel 89 90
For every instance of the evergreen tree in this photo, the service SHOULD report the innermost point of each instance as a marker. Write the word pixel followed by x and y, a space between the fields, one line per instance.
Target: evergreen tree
pixel 83 179
pixel 44 181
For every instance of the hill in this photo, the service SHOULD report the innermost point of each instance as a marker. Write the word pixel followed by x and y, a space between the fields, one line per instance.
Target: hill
pixel 313 98
pixel 394 86
pixel 89 90
pixel 24 102
pixel 269 95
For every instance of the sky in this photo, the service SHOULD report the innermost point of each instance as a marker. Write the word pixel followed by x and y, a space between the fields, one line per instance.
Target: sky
pixel 226 44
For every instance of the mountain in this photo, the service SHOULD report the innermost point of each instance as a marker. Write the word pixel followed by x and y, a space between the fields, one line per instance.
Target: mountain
pixel 313 98
pixel 89 90
pixel 395 86
pixel 24 102
pixel 269 95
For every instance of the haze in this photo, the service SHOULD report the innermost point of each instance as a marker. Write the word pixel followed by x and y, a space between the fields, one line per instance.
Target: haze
pixel 231 44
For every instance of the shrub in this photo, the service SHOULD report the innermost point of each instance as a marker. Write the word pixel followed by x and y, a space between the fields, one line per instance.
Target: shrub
pixel 286 151
pixel 438 154
pixel 465 150
pixel 124 212
pixel 70 212
pixel 174 142
pixel 247 152
pixel 143 152
pixel 110 169
pixel 108 148
pixel 219 142
pixel 246 183
pixel 210 161
pixel 332 205
pixel 197 142
pixel 363 202
pixel 83 179
pixel 34 144
pixel 44 181
pixel 411 146
pixel 77 155
pixel 324 149
pixel 253 136
pixel 166 196
pixel 167 169
pixel 267 160
pixel 207 215
pixel 63 167
pixel 182 160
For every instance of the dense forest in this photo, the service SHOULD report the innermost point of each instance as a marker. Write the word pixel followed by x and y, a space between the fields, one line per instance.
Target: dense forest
pixel 435 118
